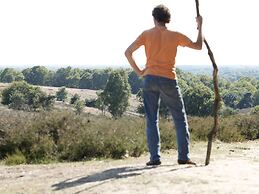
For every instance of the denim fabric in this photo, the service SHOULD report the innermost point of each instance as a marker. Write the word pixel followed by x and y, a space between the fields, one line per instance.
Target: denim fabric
pixel 154 88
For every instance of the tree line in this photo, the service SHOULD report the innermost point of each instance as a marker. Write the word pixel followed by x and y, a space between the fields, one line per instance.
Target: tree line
pixel 197 90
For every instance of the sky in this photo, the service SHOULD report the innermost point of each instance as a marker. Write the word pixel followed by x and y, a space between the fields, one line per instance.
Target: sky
pixel 96 33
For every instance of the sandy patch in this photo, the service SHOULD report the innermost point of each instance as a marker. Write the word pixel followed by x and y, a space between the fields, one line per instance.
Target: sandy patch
pixel 233 169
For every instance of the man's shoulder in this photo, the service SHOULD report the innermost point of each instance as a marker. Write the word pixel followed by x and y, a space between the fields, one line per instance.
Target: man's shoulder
pixel 173 31
pixel 149 30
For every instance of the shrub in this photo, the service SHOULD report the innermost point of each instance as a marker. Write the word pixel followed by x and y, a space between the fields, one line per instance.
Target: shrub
pixel 66 136
pixel 249 127
pixel 15 158
pixel 256 110
pixel 227 111
pixel 79 106
pixel 200 127
pixel 22 96
pixel 62 94
pixel 91 103
pixel 167 135
pixel 74 98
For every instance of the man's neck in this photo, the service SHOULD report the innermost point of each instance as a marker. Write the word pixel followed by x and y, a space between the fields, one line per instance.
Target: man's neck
pixel 160 25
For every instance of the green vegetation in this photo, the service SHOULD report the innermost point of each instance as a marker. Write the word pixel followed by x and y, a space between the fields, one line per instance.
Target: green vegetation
pixel 116 93
pixel 38 75
pixel 15 158
pixel 65 136
pixel 50 135
pixel 79 106
pixel 62 94
pixel 232 73
pixel 237 92
pixel 22 96
pixel 9 75
pixel 74 98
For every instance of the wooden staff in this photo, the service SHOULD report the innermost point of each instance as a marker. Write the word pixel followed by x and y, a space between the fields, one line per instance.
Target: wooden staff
pixel 216 107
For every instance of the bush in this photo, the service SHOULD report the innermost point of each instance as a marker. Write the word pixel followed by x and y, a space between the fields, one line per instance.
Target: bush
pixel 79 106
pixel 249 127
pixel 167 135
pixel 15 158
pixel 227 111
pixel 91 103
pixel 62 94
pixel 256 110
pixel 22 96
pixel 65 136
pixel 74 98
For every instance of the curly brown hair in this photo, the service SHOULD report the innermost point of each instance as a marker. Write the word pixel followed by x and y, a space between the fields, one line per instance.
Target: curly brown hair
pixel 161 14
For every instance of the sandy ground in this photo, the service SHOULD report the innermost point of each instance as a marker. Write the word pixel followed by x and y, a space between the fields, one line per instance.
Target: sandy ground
pixel 234 168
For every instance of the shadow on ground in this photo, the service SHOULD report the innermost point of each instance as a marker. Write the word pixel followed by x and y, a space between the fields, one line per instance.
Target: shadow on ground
pixel 108 176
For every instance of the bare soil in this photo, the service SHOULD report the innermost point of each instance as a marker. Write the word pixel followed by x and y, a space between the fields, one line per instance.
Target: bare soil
pixel 233 169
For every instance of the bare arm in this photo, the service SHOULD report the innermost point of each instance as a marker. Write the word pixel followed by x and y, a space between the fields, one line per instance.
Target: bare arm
pixel 198 44
pixel 128 53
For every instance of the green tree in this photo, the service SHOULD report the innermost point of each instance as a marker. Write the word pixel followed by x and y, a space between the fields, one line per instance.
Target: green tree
pixel 38 75
pixel 86 81
pixel 9 75
pixel 62 94
pixel 23 96
pixel 68 77
pixel 246 102
pixel 198 101
pixel 230 99
pixel 135 82
pixel 116 93
pixel 242 86
pixel 100 78
pixel 207 81
pixel 256 98
pixel 99 102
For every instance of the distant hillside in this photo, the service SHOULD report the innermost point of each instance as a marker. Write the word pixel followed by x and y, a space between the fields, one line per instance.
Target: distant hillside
pixel 229 72
pixel 84 94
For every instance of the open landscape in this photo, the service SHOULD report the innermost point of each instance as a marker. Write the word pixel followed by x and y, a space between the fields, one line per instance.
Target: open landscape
pixel 58 150
pixel 77 96
pixel 84 94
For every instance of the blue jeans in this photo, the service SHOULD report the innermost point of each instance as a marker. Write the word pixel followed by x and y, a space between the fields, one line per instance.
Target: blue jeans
pixel 154 88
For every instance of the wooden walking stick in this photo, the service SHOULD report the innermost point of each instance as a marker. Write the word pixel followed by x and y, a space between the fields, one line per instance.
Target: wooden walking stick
pixel 215 128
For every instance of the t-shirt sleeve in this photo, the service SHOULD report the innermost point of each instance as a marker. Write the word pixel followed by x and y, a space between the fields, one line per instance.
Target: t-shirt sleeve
pixel 140 40
pixel 183 40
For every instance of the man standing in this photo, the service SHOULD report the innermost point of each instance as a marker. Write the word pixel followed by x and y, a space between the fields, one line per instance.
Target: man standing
pixel 160 81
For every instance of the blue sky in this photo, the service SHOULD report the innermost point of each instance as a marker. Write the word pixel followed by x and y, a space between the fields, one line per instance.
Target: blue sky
pixel 93 33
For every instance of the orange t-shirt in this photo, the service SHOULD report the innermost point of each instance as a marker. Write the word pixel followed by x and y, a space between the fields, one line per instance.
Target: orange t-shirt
pixel 161 48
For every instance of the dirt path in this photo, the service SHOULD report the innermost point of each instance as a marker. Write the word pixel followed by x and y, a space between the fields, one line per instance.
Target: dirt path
pixel 234 169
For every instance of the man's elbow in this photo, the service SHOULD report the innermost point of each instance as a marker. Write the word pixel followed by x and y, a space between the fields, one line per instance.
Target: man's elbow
pixel 198 45
pixel 128 53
